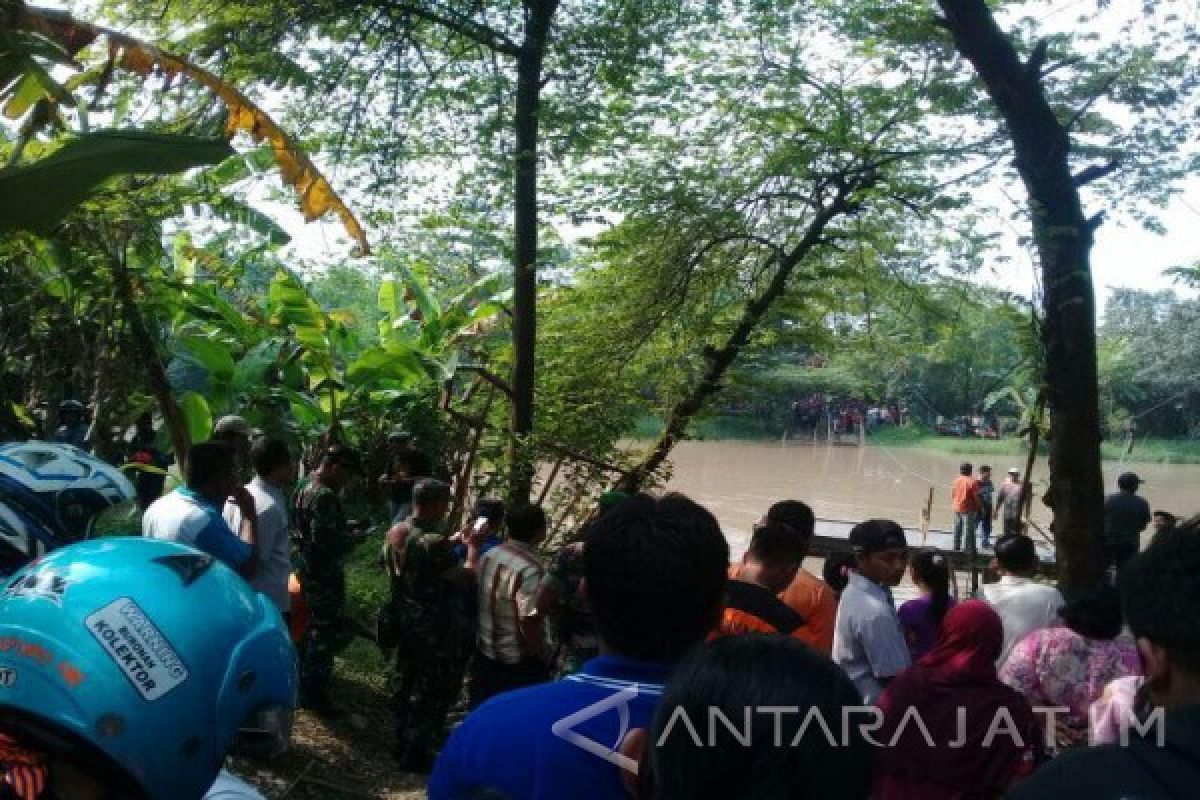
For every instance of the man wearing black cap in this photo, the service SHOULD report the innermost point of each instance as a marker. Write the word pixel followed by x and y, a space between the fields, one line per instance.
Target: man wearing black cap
pixel 324 541
pixel 1126 515
pixel 73 428
pixel 867 640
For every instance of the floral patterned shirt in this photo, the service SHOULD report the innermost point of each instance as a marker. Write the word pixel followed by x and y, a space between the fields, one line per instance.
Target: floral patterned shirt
pixel 1059 667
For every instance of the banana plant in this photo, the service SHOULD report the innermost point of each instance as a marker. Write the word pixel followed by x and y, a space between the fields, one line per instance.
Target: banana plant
pixel 413 321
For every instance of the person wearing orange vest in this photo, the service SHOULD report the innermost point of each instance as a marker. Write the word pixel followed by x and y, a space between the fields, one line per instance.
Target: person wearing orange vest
pixel 752 604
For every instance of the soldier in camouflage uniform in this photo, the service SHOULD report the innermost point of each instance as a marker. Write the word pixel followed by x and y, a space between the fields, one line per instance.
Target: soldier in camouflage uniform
pixel 561 600
pixel 323 541
pixel 429 626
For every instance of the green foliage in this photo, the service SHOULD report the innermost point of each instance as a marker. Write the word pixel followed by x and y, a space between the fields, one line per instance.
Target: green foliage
pixel 37 196
pixel 1149 360
pixel 199 417
pixel 947 348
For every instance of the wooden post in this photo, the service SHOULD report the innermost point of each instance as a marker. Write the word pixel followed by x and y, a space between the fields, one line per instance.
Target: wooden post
pixel 926 517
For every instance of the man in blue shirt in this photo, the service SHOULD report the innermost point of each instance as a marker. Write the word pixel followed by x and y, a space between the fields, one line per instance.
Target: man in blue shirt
pixel 191 514
pixel 654 575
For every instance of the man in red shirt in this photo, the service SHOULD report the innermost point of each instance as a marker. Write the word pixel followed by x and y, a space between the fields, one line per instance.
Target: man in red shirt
pixel 964 495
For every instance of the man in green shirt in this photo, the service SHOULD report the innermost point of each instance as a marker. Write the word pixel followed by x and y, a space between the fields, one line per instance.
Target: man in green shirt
pixel 429 625
pixel 323 541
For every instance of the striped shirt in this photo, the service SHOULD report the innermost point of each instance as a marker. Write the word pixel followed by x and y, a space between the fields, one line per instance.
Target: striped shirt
pixel 509 578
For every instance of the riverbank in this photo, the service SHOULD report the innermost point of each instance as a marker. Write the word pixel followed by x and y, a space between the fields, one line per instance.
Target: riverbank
pixel 752 428
pixel 1145 450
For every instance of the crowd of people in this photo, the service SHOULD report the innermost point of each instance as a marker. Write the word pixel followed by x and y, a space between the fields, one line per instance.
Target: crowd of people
pixel 635 661
pixel 839 415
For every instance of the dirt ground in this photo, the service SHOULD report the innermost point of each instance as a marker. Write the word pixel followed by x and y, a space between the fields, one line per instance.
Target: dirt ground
pixel 347 758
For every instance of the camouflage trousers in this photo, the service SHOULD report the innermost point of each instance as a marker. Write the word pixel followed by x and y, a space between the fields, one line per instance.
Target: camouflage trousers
pixel 326 636
pixel 428 681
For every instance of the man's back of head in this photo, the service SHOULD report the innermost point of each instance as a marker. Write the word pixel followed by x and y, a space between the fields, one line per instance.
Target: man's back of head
pixel 775 554
pixel 965 468
pixel 1160 595
pixel 527 523
pixel 490 508
pixel 775 544
pixel 269 457
pixel 1016 554
pixel 431 498
pixel 796 515
pixel 655 572
pixel 1128 482
pixel 210 467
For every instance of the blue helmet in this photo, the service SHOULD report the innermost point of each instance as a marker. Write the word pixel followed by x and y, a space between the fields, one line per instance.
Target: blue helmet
pixel 50 496
pixel 142 659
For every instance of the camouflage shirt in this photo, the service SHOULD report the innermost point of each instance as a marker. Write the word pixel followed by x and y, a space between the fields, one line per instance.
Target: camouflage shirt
pixel 416 557
pixel 573 625
pixel 319 530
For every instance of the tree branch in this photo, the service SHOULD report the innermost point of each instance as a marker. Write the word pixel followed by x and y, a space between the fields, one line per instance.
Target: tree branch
pixel 1090 101
pixel 1095 172
pixel 1033 67
pixel 478 32
pixel 493 379
pixel 1069 61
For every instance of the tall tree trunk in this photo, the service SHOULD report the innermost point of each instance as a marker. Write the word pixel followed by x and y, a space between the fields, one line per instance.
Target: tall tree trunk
pixel 719 360
pixel 156 374
pixel 1063 236
pixel 530 58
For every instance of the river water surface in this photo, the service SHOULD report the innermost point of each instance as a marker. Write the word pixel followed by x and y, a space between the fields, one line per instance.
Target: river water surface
pixel 739 480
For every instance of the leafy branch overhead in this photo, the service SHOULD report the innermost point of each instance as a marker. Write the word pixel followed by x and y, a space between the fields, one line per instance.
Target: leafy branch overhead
pixel 316 194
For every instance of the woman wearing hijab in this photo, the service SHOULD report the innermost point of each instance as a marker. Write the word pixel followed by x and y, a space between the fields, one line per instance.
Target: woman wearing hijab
pixel 952 730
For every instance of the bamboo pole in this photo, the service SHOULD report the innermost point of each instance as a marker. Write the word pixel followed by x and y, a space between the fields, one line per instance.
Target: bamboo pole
pixel 569 509
pixel 926 518
pixel 463 479
pixel 551 478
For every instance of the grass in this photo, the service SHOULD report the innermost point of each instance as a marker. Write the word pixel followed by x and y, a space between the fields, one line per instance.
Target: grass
pixel 1153 451
pixel 914 436
pixel 1164 451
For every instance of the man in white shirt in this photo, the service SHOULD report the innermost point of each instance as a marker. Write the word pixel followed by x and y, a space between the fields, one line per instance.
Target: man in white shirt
pixel 191 514
pixel 867 640
pixel 274 474
pixel 1024 605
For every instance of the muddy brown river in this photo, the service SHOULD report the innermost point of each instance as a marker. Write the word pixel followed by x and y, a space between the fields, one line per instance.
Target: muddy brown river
pixel 739 480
